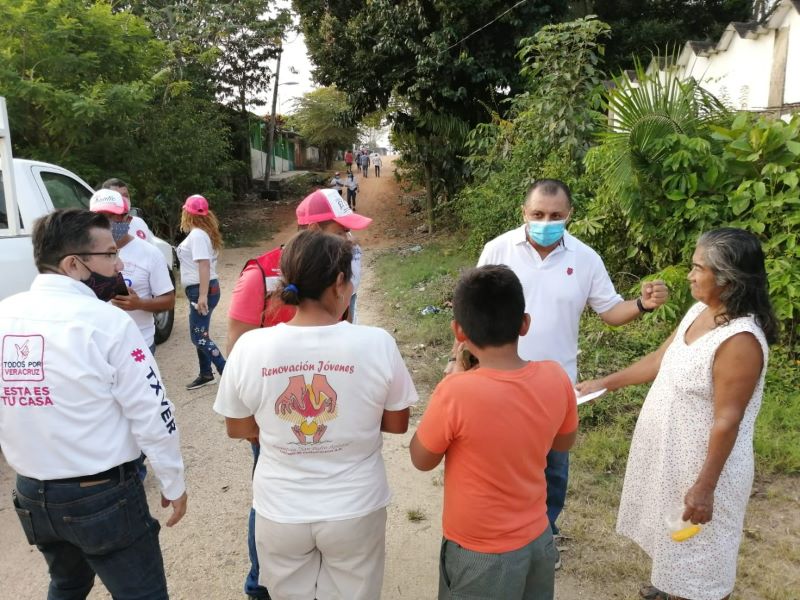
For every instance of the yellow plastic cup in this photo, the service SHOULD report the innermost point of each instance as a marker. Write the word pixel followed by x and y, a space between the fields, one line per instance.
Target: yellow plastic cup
pixel 680 530
pixel 684 534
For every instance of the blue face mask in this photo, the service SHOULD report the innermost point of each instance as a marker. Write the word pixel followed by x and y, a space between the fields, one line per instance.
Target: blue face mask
pixel 119 230
pixel 546 233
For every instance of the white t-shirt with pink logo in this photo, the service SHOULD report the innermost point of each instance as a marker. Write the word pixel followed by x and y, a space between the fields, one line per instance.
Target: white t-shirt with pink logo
pixel 318 395
pixel 138 228
pixel 146 272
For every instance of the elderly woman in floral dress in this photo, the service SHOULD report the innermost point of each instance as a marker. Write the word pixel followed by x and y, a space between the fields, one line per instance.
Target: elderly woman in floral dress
pixel 692 450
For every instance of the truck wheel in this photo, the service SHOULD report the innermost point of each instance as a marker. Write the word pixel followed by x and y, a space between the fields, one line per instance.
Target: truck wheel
pixel 164 321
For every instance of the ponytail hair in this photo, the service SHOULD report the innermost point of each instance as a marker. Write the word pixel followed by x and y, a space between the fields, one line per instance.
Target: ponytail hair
pixel 311 263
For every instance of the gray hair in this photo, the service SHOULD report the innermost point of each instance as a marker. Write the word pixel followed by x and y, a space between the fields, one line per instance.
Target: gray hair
pixel 736 259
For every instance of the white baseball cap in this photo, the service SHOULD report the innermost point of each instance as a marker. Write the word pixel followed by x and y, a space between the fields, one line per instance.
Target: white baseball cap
pixel 108 201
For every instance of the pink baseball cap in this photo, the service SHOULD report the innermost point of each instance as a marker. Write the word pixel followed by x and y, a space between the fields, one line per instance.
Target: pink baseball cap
pixel 328 205
pixel 196 205
pixel 108 201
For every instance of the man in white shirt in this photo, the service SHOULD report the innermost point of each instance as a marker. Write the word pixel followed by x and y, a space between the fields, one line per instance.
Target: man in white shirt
pixel 377 162
pixel 337 183
pixel 560 276
pixel 150 288
pixel 138 227
pixel 80 399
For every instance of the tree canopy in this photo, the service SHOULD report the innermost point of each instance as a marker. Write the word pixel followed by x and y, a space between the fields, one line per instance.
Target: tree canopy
pixel 416 50
pixel 640 28
pixel 319 118
pixel 94 90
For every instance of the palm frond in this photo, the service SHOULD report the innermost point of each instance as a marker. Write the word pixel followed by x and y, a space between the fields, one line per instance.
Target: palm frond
pixel 643 112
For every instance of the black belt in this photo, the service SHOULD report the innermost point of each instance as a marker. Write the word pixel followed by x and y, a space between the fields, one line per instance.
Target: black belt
pixel 117 473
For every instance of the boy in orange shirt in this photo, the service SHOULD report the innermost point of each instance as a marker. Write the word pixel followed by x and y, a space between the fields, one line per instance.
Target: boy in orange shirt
pixel 495 425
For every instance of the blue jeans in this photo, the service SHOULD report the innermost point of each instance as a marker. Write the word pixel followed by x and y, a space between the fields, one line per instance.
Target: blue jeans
pixel 556 475
pixel 251 585
pixel 207 350
pixel 97 528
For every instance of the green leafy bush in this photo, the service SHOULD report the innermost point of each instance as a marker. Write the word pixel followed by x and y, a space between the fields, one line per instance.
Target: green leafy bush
pixel 744 174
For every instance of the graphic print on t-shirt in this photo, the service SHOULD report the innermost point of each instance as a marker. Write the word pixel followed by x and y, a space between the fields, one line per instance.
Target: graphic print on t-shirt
pixel 308 407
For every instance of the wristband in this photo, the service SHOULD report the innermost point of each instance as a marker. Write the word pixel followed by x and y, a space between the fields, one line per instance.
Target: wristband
pixel 641 307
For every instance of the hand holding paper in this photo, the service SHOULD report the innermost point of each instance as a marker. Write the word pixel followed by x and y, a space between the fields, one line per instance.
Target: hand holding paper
pixel 589 390
pixel 590 396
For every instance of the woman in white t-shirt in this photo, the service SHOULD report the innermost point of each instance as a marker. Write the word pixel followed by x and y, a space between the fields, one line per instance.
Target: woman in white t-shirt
pixel 198 257
pixel 318 392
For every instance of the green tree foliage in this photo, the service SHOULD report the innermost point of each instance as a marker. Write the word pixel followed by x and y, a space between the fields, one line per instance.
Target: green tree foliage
pixel 643 111
pixel 182 148
pixel 230 45
pixel 373 50
pixel 427 144
pixel 220 50
pixel 549 129
pixel 320 118
pixel 643 27
pixel 249 42
pixel 74 75
pixel 690 170
pixel 94 90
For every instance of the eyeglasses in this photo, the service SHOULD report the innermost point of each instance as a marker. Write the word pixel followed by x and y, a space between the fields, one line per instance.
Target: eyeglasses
pixel 111 255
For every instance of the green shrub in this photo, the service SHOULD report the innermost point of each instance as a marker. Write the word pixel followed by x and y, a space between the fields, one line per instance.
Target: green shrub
pixel 744 175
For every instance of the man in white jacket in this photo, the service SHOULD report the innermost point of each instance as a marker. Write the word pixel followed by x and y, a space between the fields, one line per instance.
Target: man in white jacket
pixel 80 399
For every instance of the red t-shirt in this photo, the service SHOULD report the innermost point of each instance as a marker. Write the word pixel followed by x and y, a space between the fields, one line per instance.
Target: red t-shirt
pixel 495 429
pixel 248 300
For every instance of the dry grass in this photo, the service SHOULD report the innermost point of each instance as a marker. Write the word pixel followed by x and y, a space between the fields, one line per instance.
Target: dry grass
pixel 769 558
pixel 416 515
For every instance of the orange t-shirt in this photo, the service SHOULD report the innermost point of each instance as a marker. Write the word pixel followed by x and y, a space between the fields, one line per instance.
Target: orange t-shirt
pixel 495 429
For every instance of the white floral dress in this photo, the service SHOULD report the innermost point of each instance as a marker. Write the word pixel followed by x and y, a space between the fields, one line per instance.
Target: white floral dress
pixel 668 449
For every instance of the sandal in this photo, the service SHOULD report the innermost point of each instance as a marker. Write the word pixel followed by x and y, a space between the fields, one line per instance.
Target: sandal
pixel 649 592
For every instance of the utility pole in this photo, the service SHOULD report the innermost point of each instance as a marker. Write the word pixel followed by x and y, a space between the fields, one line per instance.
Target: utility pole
pixel 271 135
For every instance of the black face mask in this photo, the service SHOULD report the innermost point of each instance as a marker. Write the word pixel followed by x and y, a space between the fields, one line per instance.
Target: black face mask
pixel 103 286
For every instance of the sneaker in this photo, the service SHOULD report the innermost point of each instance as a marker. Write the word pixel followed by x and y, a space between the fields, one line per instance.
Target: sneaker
pixel 558 559
pixel 201 381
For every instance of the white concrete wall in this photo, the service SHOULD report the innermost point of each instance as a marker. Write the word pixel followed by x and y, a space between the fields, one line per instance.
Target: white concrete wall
pixel 258 163
pixel 739 76
pixel 792 90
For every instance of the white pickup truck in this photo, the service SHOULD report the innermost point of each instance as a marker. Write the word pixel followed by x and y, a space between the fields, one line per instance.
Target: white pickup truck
pixel 28 190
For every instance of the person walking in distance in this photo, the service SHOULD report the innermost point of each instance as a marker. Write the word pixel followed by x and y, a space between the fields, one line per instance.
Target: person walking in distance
pixel 364 162
pixel 348 160
pixel 352 190
pixel 98 401
pixel 376 161
pixel 337 183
